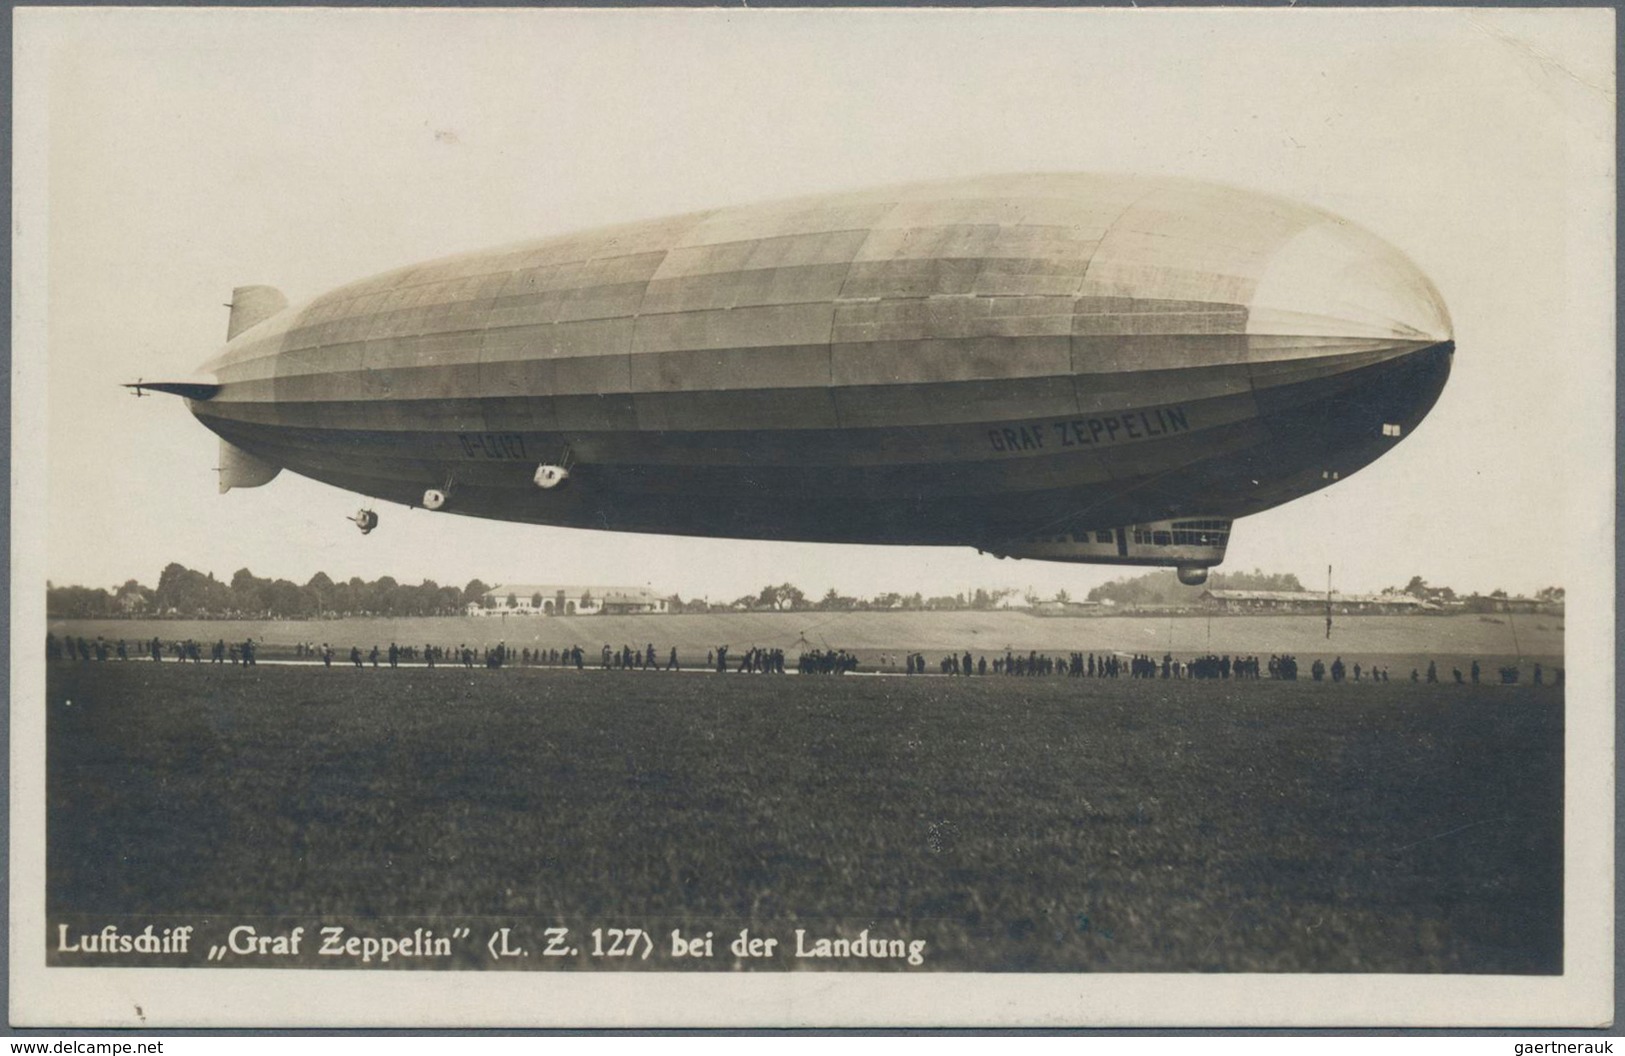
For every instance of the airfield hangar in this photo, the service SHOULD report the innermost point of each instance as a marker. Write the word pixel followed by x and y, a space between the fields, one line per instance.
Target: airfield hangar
pixel 550 599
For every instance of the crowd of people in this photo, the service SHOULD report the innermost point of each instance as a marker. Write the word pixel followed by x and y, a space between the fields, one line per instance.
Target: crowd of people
pixel 184 651
pixel 759 660
pixel 827 662
pixel 1340 671
pixel 1109 665
pixel 754 661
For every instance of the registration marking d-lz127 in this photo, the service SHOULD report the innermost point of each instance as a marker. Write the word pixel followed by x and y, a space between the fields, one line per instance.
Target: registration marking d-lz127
pixel 505 446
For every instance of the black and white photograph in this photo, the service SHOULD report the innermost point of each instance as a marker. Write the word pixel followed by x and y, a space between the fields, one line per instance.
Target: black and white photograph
pixel 904 517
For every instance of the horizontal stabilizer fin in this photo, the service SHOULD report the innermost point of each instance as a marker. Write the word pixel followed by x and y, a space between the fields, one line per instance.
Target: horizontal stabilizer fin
pixel 239 469
pixel 252 305
pixel 192 390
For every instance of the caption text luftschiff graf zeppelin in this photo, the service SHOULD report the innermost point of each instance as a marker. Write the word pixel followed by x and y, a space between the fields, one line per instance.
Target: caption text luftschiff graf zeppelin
pixel 335 944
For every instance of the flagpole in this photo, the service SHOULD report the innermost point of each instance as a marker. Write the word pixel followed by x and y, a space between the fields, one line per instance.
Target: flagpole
pixel 1328 602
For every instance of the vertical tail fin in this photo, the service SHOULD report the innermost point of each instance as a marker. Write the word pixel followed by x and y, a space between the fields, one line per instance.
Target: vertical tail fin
pixel 252 305
pixel 239 469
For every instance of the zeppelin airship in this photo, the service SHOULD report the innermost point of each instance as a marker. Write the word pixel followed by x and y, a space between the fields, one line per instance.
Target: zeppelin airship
pixel 1072 367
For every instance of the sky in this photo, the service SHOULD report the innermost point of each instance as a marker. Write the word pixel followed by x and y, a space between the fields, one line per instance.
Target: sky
pixel 167 155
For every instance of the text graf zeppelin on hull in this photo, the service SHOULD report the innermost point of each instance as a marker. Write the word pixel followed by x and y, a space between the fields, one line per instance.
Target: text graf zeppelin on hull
pixel 1067 366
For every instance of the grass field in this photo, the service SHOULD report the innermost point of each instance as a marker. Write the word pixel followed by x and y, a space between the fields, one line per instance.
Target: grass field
pixel 1397 642
pixel 1014 824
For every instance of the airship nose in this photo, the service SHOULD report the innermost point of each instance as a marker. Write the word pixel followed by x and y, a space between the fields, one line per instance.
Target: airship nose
pixel 1335 280
pixel 1351 346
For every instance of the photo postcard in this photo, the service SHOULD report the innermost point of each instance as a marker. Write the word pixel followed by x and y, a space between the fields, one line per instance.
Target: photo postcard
pixel 812 518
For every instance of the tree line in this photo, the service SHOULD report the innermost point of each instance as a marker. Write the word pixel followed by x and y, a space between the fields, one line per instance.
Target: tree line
pixel 789 597
pixel 183 591
pixel 1447 598
pixel 1163 587
pixel 186 592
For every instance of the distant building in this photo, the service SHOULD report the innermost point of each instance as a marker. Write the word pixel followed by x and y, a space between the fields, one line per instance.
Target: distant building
pixel 632 600
pixel 1067 608
pixel 551 599
pixel 130 603
pixel 1516 605
pixel 1308 601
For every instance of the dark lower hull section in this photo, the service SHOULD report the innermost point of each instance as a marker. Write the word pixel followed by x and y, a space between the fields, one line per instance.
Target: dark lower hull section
pixel 984 484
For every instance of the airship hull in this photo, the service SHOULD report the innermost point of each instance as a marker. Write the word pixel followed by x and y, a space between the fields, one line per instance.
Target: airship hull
pixel 966 362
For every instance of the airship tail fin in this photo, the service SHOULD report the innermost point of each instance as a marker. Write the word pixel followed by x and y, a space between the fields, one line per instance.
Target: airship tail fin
pixel 252 305
pixel 191 390
pixel 239 469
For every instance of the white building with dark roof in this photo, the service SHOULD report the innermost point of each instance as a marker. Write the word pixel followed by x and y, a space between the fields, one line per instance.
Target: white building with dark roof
pixel 553 599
